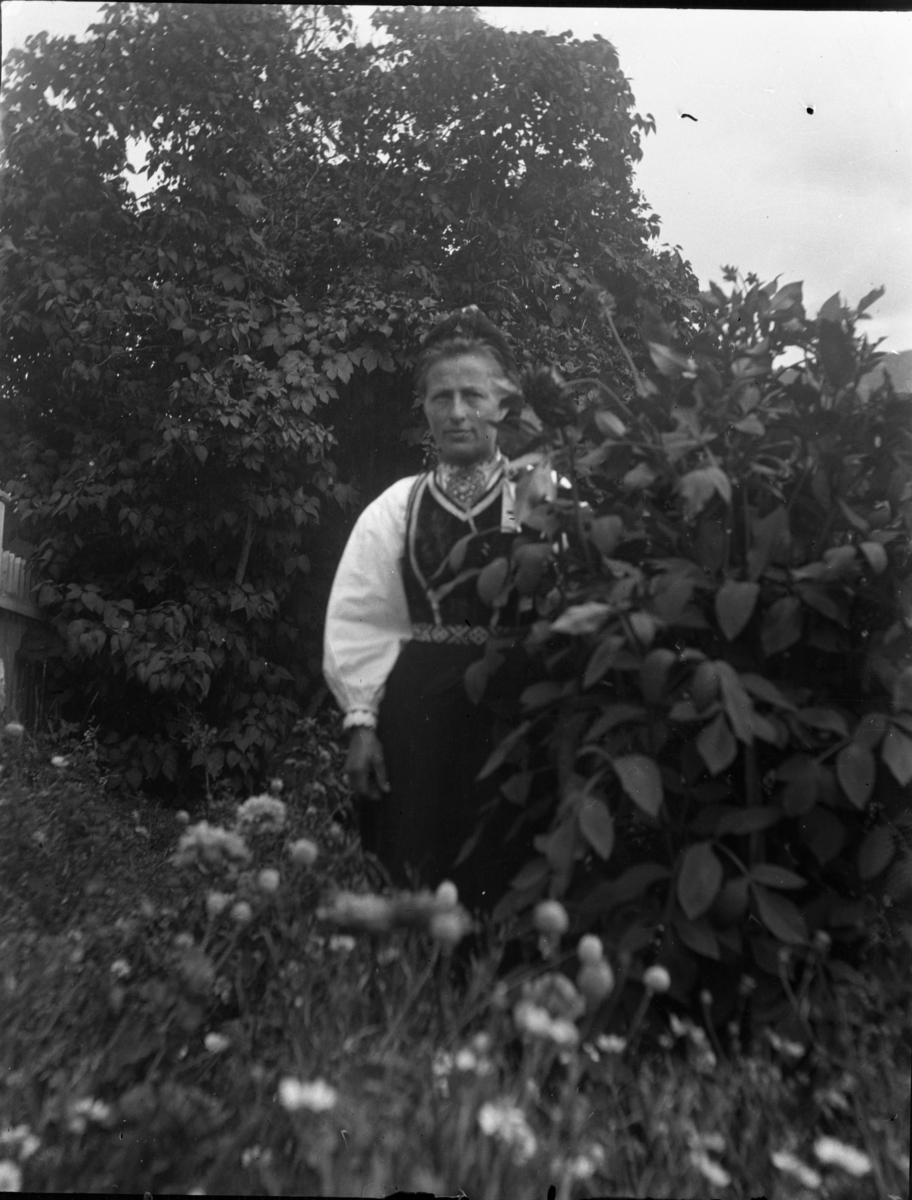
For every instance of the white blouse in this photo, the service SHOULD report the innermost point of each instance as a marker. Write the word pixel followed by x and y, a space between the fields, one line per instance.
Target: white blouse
pixel 367 619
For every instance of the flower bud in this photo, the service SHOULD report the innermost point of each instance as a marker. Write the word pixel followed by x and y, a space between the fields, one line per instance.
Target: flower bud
pixel 590 949
pixel 595 981
pixel 14 730
pixel 215 1043
pixel 448 928
pixel 276 786
pixel 550 917
pixel 60 762
pixel 446 895
pixel 268 880
pixel 656 979
pixel 241 912
pixel 182 817
pixel 216 903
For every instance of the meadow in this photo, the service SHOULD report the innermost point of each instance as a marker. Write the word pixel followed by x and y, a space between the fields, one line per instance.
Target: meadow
pixel 221 1001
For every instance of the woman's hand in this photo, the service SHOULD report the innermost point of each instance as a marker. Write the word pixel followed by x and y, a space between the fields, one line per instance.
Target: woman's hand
pixel 364 764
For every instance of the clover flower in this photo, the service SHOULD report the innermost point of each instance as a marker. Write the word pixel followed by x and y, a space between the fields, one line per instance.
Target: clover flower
pixel 14 730
pixel 85 1110
pixel 60 762
pixel 449 928
pixel 590 950
pixel 656 979
pixel 217 902
pixel 447 894
pixel 316 1097
pixel 268 880
pixel 831 1152
pixel 581 1167
pixel 216 1043
pixel 242 913
pixel 21 1140
pixel 504 1121
pixel 263 814
pixel 120 968
pixel 550 917
pixel 537 1022
pixel 342 943
pixel 595 981
pixel 210 843
pixel 790 1164
pixel 303 852
pixel 610 1043
pixel 10 1176
pixel 368 913
pixel 276 786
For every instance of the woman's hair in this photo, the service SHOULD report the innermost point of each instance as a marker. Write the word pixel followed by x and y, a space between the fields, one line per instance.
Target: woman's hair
pixel 467 331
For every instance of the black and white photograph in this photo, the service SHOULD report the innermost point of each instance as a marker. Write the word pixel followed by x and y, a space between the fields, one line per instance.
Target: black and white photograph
pixel 455 601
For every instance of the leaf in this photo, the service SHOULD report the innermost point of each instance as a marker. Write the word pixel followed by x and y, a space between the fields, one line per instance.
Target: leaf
pixel 896 751
pixel 736 702
pixel 597 826
pixel 716 746
pixel 787 298
pixel 559 846
pixel 876 556
pixel 500 752
pixel 799 774
pixel 602 658
pixel 836 350
pixel 770 537
pixel 825 719
pixel 201 452
pixel 697 936
pixel 699 879
pixel 762 689
pixel 780 916
pixel 871 298
pixel 782 625
pixel 492 579
pixel 629 885
pixel 457 555
pixel 735 603
pixel 614 715
pixel 876 852
pixel 776 877
pixel 870 729
pixel 609 425
pixel 669 362
pixel 641 780
pixel 534 872
pixel 605 533
pixel 535 487
pixel 654 672
pixel 823 833
pixel 698 487
pixel 856 770
pixel 748 820
pixel 832 309
pixel 537 695
pixel 581 618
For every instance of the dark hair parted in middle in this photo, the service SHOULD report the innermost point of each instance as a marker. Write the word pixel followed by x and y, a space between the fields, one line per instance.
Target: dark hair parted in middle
pixel 467 331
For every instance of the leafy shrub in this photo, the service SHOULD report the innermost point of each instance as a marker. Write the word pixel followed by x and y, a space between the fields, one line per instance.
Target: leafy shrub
pixel 721 670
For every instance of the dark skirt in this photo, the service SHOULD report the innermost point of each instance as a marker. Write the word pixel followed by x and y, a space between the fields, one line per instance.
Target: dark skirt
pixel 435 741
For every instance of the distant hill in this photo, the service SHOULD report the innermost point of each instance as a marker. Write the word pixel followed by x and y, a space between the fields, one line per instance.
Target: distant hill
pixel 899 368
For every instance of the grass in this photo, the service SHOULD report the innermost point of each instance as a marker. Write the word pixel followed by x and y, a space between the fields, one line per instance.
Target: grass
pixel 151 1042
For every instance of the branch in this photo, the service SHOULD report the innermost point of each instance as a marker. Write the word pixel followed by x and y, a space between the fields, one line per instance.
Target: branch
pixel 245 551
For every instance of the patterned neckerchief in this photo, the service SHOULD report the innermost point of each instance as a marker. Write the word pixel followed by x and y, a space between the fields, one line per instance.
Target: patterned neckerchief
pixel 465 485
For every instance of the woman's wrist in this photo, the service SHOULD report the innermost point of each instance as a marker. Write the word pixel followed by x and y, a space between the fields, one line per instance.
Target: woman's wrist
pixel 359 718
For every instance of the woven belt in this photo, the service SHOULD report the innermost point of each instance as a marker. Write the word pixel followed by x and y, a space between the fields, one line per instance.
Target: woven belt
pixel 462 635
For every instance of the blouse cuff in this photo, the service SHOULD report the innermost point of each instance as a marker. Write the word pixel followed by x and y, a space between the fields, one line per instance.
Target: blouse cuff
pixel 360 718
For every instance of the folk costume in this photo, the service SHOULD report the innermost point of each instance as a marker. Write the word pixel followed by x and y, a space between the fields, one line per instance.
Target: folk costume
pixel 402 627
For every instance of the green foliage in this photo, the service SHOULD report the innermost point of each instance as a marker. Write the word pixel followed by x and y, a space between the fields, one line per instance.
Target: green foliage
pixel 200 385
pixel 721 668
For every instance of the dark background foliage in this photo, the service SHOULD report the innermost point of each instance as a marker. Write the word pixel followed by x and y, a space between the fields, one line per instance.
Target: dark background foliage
pixel 200 388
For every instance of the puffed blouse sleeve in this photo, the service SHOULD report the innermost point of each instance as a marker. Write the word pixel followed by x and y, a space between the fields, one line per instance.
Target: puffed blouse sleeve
pixel 367 619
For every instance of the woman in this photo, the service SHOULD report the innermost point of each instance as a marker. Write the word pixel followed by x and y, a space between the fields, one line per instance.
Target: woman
pixel 403 625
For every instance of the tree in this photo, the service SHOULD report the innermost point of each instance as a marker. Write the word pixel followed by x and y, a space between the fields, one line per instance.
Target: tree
pixel 200 385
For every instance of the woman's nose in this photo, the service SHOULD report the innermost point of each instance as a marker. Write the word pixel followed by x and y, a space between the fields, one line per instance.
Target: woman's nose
pixel 461 407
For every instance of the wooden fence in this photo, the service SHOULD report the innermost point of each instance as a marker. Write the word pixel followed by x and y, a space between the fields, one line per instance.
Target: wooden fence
pixel 19 679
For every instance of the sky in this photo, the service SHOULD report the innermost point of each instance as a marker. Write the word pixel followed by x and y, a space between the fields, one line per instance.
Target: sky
pixel 797 164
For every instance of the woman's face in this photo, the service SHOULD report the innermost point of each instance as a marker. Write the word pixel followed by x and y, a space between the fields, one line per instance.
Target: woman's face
pixel 462 402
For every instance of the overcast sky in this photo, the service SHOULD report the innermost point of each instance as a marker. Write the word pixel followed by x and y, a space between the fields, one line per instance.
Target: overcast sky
pixel 756 180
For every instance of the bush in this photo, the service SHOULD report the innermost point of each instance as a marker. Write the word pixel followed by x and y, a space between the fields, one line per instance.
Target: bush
pixel 721 671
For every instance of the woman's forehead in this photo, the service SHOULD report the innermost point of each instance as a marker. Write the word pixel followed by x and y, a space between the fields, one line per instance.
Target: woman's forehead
pixel 470 366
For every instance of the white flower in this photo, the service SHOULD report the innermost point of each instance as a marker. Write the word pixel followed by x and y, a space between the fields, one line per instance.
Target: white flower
pixel 711 1170
pixel 256 1154
pixel 276 786
pixel 182 816
pixel 834 1153
pixel 268 880
pixel 507 1123
pixel 87 1109
pixel 785 1161
pixel 14 730
pixel 342 943
pixel 267 813
pixel 241 912
pixel 373 914
pixel 532 1019
pixel 442 1064
pixel 10 1176
pixel 449 928
pixel 303 852
pixel 465 1060
pixel 446 894
pixel 211 843
pixel 316 1097
pixel 215 1043
pixel 216 903
pixel 550 917
pixel 590 949
pixel 610 1043
pixel 554 992
pixel 582 1166
pixel 656 979
pixel 120 968
pixel 482 1043
pixel 60 762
